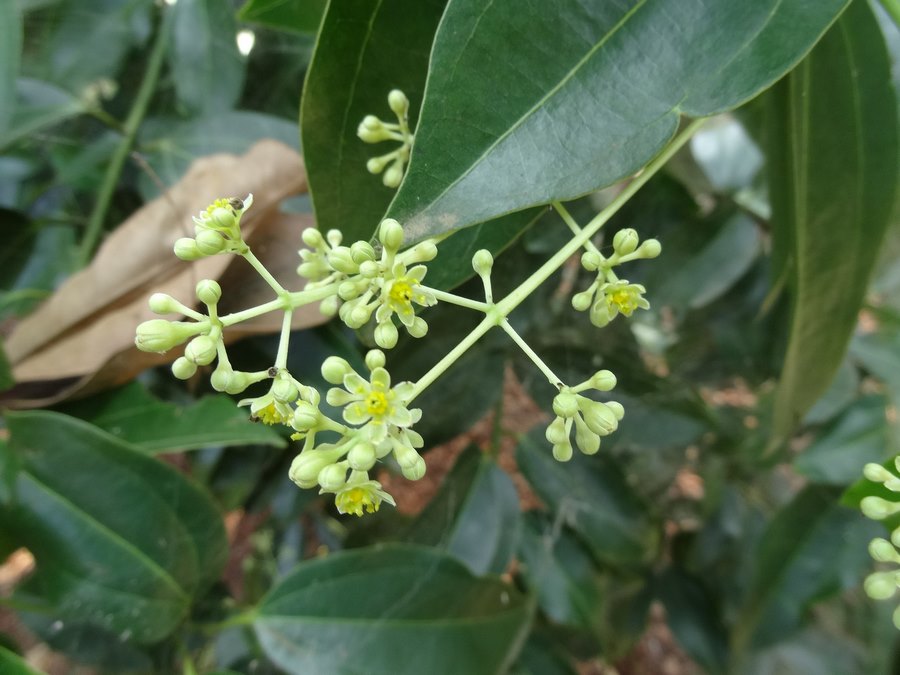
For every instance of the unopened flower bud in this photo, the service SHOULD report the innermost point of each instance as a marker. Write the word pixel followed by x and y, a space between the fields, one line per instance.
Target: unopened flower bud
pixel 591 260
pixel 386 335
pixel 586 440
pixel 398 102
pixel 210 242
pixel 333 477
pixel 562 452
pixel 617 409
pixel 186 249
pixel 306 416
pixel 883 551
pixel 650 249
pixel 223 218
pixel 284 390
pixel 598 416
pixel 376 165
pixel 334 368
pixel 371 123
pixel 341 260
pixel 307 466
pixel 359 316
pixel 394 174
pixel 312 237
pixel 238 382
pixel 159 335
pixel 419 328
pixel 208 291
pixel 415 470
pixel 556 432
pixel 603 380
pixel 880 585
pixel 391 234
pixel 565 404
pixel 369 269
pixel 421 252
pixel 625 241
pixel 877 473
pixel 334 237
pixel 482 262
pixel 183 369
pixel 877 508
pixel 201 350
pixel 160 303
pixel 361 456
pixel 361 251
pixel 349 290
pixel 221 378
pixel 375 359
pixel 330 305
pixel 581 301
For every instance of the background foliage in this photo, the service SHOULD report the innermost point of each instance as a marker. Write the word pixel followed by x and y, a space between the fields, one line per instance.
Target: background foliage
pixel 165 533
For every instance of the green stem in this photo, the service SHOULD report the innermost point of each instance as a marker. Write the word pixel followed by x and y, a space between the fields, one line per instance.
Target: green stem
pixel 543 367
pixel 454 299
pixel 284 341
pixel 242 619
pixel 293 301
pixel 570 221
pixel 263 272
pixel 892 7
pixel 114 168
pixel 252 313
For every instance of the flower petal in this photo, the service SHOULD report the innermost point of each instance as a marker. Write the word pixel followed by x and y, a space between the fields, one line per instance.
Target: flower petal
pixel 356 413
pixel 356 384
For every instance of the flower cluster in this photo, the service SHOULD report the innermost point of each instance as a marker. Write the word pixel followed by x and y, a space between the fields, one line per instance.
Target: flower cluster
pixel 591 419
pixel 377 423
pixel 369 284
pixel 608 296
pixel 216 230
pixel 373 130
pixel 882 585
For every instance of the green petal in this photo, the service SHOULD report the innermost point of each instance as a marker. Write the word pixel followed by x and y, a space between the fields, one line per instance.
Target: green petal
pixel 356 413
pixel 400 416
pixel 355 384
pixel 404 390
pixel 381 379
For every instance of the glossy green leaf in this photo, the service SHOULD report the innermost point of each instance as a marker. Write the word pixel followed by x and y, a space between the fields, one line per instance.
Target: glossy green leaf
pixel 300 16
pixel 12 664
pixel 813 548
pixel 206 67
pixel 135 416
pixel 474 517
pixel 121 540
pixel 578 95
pixel 385 608
pixel 10 54
pixel 833 173
pixel 862 434
pixel 593 497
pixel 365 48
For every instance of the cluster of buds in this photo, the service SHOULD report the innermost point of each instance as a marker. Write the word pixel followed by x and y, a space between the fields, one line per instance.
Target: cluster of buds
pixel 377 423
pixel 216 230
pixel 882 585
pixel 368 283
pixel 591 419
pixel 373 130
pixel 608 296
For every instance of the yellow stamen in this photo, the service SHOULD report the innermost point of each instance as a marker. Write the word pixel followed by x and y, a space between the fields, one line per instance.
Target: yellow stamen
pixel 376 403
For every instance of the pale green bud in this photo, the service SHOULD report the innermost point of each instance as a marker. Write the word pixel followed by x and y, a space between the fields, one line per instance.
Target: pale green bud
pixel 359 316
pixel 421 252
pixel 376 165
pixel 603 380
pixel 586 440
pixel 349 290
pixel 556 432
pixel 419 328
pixel 306 416
pixel 883 551
pixel 371 123
pixel 876 473
pixel 333 477
pixel 415 471
pixel 238 382
pixel 221 378
pixel 375 359
pixel 394 175
pixel 159 335
pixel 362 456
pixel 386 335
pixel 650 249
pixel 284 390
pixel 186 249
pixel 201 350
pixel 599 314
pixel 482 262
pixel 391 234
pixel 183 369
pixel 369 269
pixel 330 305
pixel 160 303
pixel 598 416
pixel 208 291
pixel 372 135
pixel 361 251
pixel 312 237
pixel 334 237
pixel 334 368
pixel 210 242
pixel 878 508
pixel 312 269
pixel 565 405
pixel 307 466
pixel 591 260
pixel 341 260
pixel 562 452
pixel 625 241
pixel 223 218
pixel 617 409
pixel 880 585
pixel 398 102
pixel 581 301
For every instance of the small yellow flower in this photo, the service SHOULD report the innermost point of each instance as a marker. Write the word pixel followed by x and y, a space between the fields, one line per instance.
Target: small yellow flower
pixel 360 496
pixel 401 292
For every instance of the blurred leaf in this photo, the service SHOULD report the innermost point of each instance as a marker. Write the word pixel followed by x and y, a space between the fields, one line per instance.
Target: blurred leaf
pixel 726 153
pixel 863 488
pixel 206 67
pixel 862 434
pixel 122 541
pixel 833 172
pixel 813 548
pixel 693 614
pixel 388 607
pixel 523 135
pixel 135 416
pixel 879 353
pixel 841 393
pixel 40 105
pixel 364 50
pixel 591 495
pixel 12 664
pixel 539 656
pixel 812 651
pixel 171 146
pixel 301 16
pixel 10 54
pixel 6 378
pixel 474 516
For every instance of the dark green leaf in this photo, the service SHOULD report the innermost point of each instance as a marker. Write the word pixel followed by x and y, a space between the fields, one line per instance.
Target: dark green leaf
pixel 540 657
pixel 146 423
pixel 301 16
pixel 838 396
pixel 171 146
pixel 10 53
pixel 578 95
pixel 592 496
pixel 364 50
pixel 207 69
pixel 694 617
pixel 12 664
pixel 833 173
pixel 379 610
pixel 813 548
pixel 121 540
pixel 474 517
pixel 879 353
pixel 40 105
pixel 862 434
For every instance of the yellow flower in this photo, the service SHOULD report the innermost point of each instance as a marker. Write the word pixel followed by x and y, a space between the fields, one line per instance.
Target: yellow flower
pixel 359 495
